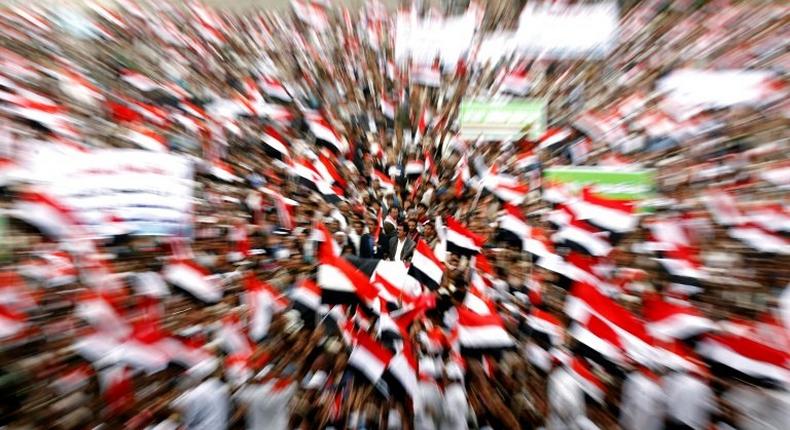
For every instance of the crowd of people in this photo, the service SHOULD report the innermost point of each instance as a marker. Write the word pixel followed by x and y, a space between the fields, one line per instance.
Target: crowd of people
pixel 354 262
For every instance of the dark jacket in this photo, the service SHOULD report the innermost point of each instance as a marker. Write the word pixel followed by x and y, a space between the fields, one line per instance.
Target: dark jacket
pixel 366 246
pixel 405 254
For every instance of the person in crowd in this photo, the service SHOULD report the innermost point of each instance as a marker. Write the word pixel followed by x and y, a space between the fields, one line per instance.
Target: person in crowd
pixel 209 218
pixel 401 247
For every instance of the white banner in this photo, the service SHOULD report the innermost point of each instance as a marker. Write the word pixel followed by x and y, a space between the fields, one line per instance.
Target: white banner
pixel 424 40
pixel 689 91
pixel 133 191
pixel 561 31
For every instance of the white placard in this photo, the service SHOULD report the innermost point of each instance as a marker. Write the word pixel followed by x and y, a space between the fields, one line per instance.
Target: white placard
pixel 689 91
pixel 144 192
pixel 562 31
pixel 424 40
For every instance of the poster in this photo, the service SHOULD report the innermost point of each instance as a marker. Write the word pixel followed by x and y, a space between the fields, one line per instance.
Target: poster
pixel 615 183
pixel 139 192
pixel 502 120
pixel 567 31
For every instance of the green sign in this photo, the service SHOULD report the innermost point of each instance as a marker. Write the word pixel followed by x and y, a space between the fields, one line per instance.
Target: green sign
pixel 614 183
pixel 502 120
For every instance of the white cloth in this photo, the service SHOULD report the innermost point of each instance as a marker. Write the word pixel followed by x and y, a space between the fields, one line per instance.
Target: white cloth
pixel 455 408
pixel 427 413
pixel 267 408
pixel 643 403
pixel 566 401
pixel 205 407
pixel 689 400
pixel 355 239
pixel 399 249
pixel 759 408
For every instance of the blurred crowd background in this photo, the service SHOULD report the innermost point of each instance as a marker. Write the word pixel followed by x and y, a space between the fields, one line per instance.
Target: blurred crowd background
pixel 428 215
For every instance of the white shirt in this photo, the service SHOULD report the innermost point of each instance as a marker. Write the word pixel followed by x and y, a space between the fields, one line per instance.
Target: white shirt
pixel 399 249
pixel 354 238
pixel 205 407
pixel 689 400
pixel 759 408
pixel 429 409
pixel 643 403
pixel 267 408
pixel 566 401
pixel 455 408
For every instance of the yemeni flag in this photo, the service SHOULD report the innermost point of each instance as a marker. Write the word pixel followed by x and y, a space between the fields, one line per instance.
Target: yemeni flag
pixel 546 328
pixel 309 177
pixel 587 380
pixel 685 272
pixel 425 267
pixel 592 310
pixel 480 334
pixel 746 359
pixel 274 89
pixel 401 374
pixel 513 226
pixel 505 187
pixel 262 301
pixel 583 237
pixel 760 239
pixel 325 134
pixel 384 181
pixel 460 240
pixel 342 283
pixel 369 357
pixel 669 321
pixel 46 213
pixel 274 143
pixel 306 298
pixel 193 279
pixel 616 216
pixel 597 340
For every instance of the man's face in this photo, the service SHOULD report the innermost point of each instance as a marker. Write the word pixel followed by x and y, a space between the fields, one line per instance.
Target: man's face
pixel 394 213
pixel 358 227
pixel 412 226
pixel 401 232
pixel 428 230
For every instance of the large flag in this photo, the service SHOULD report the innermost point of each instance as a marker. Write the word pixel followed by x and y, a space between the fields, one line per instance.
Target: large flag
pixel 581 236
pixel 545 327
pixel 369 357
pixel 512 222
pixel 587 380
pixel 669 321
pixel 741 357
pixel 599 341
pixel 460 240
pixel 342 283
pixel 308 176
pixel 325 134
pixel 608 214
pixel 306 297
pixel 425 267
pixel 275 144
pixel 262 301
pixel 584 302
pixel 481 333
